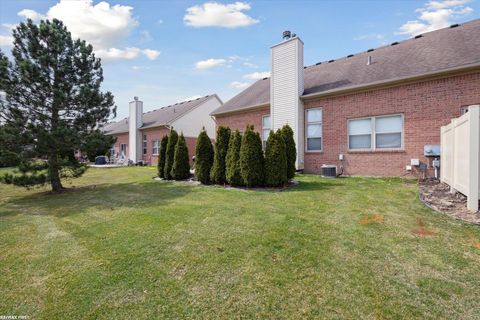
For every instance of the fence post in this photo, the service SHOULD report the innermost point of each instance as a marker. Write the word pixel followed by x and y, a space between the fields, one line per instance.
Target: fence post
pixel 474 155
pixel 453 123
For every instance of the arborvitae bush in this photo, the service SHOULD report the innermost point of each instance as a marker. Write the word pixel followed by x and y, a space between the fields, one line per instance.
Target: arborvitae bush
pixel 181 166
pixel 217 174
pixel 232 160
pixel 203 157
pixel 251 158
pixel 290 149
pixel 275 160
pixel 170 153
pixel 161 157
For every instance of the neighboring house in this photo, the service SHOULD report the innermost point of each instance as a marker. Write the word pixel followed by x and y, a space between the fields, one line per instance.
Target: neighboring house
pixel 139 135
pixel 376 110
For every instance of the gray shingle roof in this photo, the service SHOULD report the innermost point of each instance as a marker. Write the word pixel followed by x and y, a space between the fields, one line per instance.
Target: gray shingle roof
pixel 158 117
pixel 434 51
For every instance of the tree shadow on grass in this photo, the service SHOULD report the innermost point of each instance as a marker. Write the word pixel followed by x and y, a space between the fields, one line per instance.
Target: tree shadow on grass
pixel 102 196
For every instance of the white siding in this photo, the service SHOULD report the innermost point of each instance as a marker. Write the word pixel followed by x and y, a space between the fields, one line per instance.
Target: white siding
pixel 192 122
pixel 286 87
pixel 134 135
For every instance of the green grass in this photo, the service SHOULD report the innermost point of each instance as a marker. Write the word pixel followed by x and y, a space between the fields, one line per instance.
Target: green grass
pixel 122 246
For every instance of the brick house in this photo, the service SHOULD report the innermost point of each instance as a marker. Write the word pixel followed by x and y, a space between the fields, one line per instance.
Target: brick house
pixel 139 135
pixel 369 113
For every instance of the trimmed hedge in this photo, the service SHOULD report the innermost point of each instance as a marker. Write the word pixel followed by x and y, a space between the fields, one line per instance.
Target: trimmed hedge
pixel 181 166
pixel 290 150
pixel 275 160
pixel 252 161
pixel 162 157
pixel 203 157
pixel 170 153
pixel 232 174
pixel 217 174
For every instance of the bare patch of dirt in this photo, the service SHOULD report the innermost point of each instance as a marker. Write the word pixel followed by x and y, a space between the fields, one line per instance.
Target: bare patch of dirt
pixel 437 196
pixel 475 241
pixel 369 219
pixel 421 230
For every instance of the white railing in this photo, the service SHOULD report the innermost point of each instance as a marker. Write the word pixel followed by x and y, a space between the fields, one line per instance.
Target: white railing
pixel 460 153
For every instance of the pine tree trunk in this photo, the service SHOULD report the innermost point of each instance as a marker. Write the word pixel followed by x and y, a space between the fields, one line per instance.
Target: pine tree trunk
pixel 54 174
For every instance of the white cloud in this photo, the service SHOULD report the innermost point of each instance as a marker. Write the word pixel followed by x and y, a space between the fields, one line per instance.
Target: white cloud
pixel 209 63
pixel 151 54
pixel 104 26
pixel 30 14
pixel 257 75
pixel 436 15
pixel 213 14
pixel 239 85
pixel 6 41
pixel 250 65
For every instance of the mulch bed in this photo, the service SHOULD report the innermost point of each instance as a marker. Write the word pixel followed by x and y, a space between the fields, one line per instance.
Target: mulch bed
pixel 437 196
pixel 193 182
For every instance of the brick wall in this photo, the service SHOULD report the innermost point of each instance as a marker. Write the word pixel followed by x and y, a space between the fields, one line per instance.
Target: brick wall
pixel 426 106
pixel 240 120
pixel 121 138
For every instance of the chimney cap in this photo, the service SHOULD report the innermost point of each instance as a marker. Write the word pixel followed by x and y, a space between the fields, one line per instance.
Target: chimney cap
pixel 286 35
pixel 135 98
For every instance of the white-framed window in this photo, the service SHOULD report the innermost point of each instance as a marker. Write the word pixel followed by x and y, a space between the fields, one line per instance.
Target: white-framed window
pixel 145 144
pixel 156 147
pixel 123 149
pixel 381 132
pixel 266 127
pixel 314 129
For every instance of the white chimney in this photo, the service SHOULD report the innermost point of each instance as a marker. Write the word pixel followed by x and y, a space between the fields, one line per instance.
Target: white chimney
pixel 135 121
pixel 286 87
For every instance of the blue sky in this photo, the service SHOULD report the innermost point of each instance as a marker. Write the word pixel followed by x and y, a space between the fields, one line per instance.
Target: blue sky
pixel 169 51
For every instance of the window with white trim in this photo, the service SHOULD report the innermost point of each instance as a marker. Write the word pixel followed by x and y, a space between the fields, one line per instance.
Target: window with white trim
pixel 155 147
pixel 265 130
pixel 381 132
pixel 123 149
pixel 144 144
pixel 314 129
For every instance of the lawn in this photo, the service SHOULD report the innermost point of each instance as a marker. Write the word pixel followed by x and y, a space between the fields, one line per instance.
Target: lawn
pixel 122 246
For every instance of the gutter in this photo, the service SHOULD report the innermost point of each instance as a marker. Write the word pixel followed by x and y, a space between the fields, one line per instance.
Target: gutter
pixel 394 82
pixel 256 106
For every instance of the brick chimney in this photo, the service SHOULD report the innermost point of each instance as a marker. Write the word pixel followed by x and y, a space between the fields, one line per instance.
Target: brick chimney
pixel 135 121
pixel 286 87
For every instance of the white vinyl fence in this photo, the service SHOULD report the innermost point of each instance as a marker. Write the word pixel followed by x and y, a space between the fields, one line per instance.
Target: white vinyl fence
pixel 460 153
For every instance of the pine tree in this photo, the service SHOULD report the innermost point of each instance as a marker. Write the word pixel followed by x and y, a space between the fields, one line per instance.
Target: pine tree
pixel 233 175
pixel 217 174
pixel 53 91
pixel 275 160
pixel 97 144
pixel 203 157
pixel 169 154
pixel 290 149
pixel 162 156
pixel 251 158
pixel 181 166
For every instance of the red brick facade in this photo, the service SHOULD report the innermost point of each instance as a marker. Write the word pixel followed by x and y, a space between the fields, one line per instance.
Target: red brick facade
pixel 426 106
pixel 153 134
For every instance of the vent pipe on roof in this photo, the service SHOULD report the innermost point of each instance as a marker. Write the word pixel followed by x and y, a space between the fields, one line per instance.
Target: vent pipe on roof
pixel 287 35
pixel 369 60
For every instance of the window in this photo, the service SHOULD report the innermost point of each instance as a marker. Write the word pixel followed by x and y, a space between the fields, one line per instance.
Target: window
pixel 383 132
pixel 123 149
pixel 144 144
pixel 314 129
pixel 156 147
pixel 265 130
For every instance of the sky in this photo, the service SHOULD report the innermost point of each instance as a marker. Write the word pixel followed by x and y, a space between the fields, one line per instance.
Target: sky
pixel 170 51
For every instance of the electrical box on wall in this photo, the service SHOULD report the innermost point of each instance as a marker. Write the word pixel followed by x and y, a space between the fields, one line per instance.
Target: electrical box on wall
pixel 340 157
pixel 414 162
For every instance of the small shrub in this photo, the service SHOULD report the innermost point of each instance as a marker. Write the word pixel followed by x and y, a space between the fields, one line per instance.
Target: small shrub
pixel 162 157
pixel 203 157
pixel 181 166
pixel 217 174
pixel 275 160
pixel 290 149
pixel 251 158
pixel 170 153
pixel 232 160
